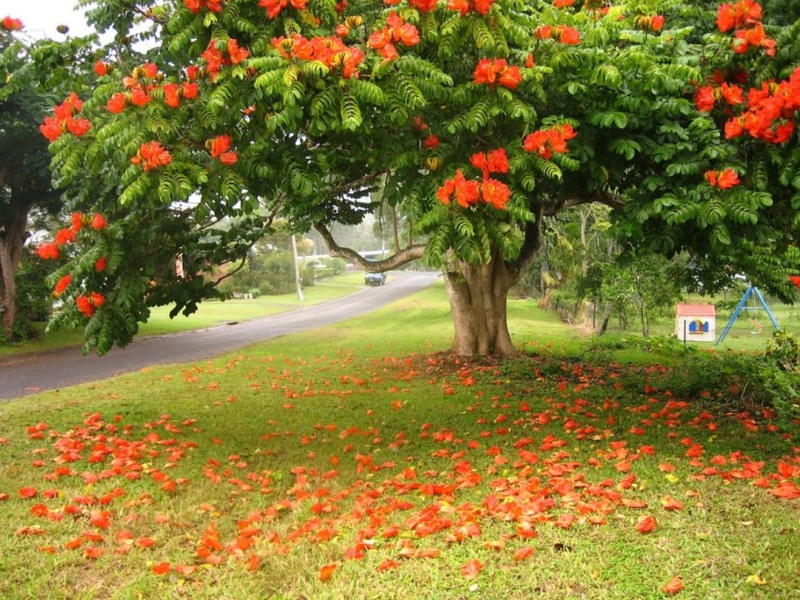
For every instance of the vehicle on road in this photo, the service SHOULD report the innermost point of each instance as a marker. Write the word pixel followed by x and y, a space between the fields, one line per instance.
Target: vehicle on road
pixel 374 278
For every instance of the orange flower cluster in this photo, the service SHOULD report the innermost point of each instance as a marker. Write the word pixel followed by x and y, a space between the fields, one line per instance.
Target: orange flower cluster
pixel 330 51
pixel 745 18
pixel 481 7
pixel 88 303
pixel 705 97
pixel 11 24
pixel 723 180
pixel 52 250
pixel 196 5
pixel 421 5
pixel 396 30
pixel 464 192
pixel 220 148
pixel 770 111
pixel 467 193
pixel 62 284
pixel 547 142
pixel 496 71
pixel 141 84
pixel 560 33
pixel 274 7
pixel 563 3
pixel 650 23
pixel 215 59
pixel 151 155
pixel 65 120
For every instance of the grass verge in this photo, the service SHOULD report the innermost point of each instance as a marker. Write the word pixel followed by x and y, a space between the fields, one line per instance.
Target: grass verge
pixel 209 314
pixel 360 461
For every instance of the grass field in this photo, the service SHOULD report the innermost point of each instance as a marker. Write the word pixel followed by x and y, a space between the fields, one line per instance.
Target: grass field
pixel 208 314
pixel 362 461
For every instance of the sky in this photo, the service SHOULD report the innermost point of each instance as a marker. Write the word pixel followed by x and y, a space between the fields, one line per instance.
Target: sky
pixel 41 17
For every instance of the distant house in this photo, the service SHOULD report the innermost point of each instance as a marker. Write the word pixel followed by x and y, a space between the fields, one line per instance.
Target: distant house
pixel 696 322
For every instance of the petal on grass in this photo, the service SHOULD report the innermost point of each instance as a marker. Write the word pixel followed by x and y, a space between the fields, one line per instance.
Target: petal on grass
pixel 471 568
pixel 326 572
pixel 673 586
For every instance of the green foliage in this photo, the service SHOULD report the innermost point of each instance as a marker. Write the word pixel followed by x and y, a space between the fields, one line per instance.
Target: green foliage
pixel 318 118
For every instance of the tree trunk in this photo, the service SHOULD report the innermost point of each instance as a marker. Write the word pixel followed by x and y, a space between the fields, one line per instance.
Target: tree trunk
pixel 477 295
pixel 11 244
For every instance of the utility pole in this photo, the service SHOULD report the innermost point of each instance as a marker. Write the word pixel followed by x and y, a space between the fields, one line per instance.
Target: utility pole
pixel 297 270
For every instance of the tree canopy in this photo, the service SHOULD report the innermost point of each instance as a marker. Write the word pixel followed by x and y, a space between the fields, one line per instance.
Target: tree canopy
pixel 474 119
pixel 33 74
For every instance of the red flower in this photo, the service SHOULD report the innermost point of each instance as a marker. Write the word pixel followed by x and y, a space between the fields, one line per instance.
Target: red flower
pixel 139 97
pixel 196 5
pixel 510 77
pixel 100 265
pixel 235 53
pixel 62 284
pixel 51 128
pixel 151 155
pixel 10 24
pixel 746 12
pixel 481 7
pixel 88 304
pixel 401 31
pixel 47 251
pixel 228 158
pixel 496 71
pixel 497 161
pixel 431 142
pixel 547 142
pixel 495 193
pixel 722 179
pixel 190 90
pixel 274 7
pixel 423 5
pixel 172 96
pixel 465 192
pixel 99 221
pixel 117 103
pixel 78 127
pixel 77 222
pixel 218 145
pixel 569 35
pixel 101 68
pixel 652 22
pixel 65 236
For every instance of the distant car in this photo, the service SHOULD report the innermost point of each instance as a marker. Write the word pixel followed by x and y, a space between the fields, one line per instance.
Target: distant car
pixel 374 278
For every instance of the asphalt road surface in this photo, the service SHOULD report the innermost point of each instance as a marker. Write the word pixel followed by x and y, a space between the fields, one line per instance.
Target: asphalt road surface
pixel 32 373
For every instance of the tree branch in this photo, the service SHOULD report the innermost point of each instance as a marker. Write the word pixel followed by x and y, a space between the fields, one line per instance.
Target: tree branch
pixel 399 258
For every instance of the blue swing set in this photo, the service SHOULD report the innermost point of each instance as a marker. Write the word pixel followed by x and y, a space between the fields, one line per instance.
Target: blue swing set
pixel 752 291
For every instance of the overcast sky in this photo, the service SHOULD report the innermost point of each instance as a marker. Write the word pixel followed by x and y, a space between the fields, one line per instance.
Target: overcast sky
pixel 41 17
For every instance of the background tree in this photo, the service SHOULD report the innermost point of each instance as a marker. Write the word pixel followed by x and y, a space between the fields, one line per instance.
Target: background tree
pixel 477 120
pixel 33 74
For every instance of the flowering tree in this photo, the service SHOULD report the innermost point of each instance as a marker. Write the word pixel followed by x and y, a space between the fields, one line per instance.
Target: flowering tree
pixel 32 73
pixel 474 119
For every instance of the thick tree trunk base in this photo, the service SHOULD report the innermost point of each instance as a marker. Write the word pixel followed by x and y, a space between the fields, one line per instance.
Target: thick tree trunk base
pixel 477 295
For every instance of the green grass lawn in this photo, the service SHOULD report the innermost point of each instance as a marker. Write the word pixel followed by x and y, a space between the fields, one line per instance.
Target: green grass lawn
pixel 362 461
pixel 209 314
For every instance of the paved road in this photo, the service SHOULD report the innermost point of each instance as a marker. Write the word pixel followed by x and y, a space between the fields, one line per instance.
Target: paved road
pixel 31 373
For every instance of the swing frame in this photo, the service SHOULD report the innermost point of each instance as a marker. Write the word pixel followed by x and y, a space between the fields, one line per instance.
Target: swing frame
pixel 742 306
